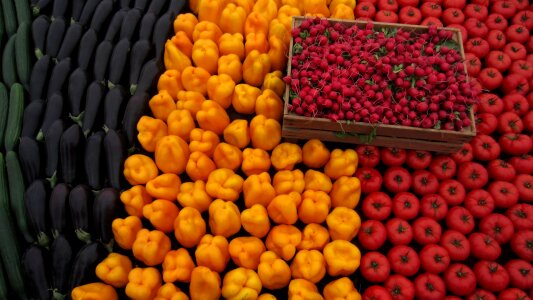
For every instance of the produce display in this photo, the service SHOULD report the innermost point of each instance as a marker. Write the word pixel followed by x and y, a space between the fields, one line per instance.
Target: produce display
pixel 142 154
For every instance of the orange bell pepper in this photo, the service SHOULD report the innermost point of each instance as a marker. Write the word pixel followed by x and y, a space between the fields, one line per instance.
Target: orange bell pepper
pixel 247 5
pixel 255 161
pixel 255 23
pixel 212 117
pixel 171 154
pixel 150 247
pixel 224 184
pixel 193 6
pixel 114 270
pixel 125 231
pixel 193 194
pixel 283 239
pixel 265 133
pixel 342 258
pixel 257 189
pixel 314 207
pixel 139 169
pixel 220 89
pixel 224 218
pixel 143 283
pixel 199 166
pixel 277 53
pixel 231 65
pixel 286 155
pixel 94 291
pixel 303 289
pixel 213 253
pixel 135 199
pixel 309 265
pixel 174 58
pixel 341 288
pixel 183 42
pixel 268 8
pixel 342 11
pixel 189 227
pixel 205 55
pixel 277 29
pixel 180 122
pixel 191 101
pixel 274 81
pixel 287 11
pixel 195 79
pixel 161 105
pixel 244 98
pixel 255 67
pixel 237 134
pixel 186 23
pixel 256 41
pixel 315 154
pixel 205 284
pixel 266 296
pixel 227 156
pixel 346 192
pixel 241 283
pixel 169 291
pixel 286 181
pixel 255 220
pixel 161 214
pixel 284 208
pixel 232 44
pixel 204 141
pixel 343 223
pixel 314 237
pixel 317 181
pixel 269 104
pixel 210 10
pixel 206 30
pixel 341 163
pixel 177 266
pixel 170 81
pixel 316 7
pixel 164 186
pixel 232 18
pixel 245 251
pixel 273 271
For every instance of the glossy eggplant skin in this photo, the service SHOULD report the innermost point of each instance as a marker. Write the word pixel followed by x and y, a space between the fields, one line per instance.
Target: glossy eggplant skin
pixel 105 206
pixel 58 208
pixel 94 160
pixel 115 154
pixel 135 108
pixel 52 137
pixel 84 264
pixel 80 201
pixel 70 144
pixel 30 159
pixel 36 201
pixel 34 264
pixel 61 259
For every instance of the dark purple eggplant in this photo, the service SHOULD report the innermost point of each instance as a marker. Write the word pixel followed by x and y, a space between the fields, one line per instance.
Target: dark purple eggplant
pixel 59 9
pixel 162 29
pixel 130 24
pixel 135 108
pixel 51 138
pixel 62 255
pixel 77 83
pixel 115 155
pixel 71 41
pixel 139 54
pixel 54 36
pixel 59 210
pixel 101 60
pixel 106 205
pixel 36 202
pixel 76 9
pixel 103 11
pixel 93 160
pixel 39 29
pixel 147 26
pixel 53 112
pixel 39 77
pixel 156 6
pixel 117 64
pixel 30 159
pixel 141 4
pixel 148 77
pixel 113 105
pixel 88 44
pixel 34 264
pixel 32 118
pixel 176 7
pixel 113 29
pixel 85 263
pixel 70 145
pixel 59 76
pixel 95 94
pixel 80 201
pixel 88 11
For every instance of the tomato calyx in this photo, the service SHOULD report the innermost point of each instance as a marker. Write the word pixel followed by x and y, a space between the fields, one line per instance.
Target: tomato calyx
pixel 438 258
pixel 461 274
pixel 524 272
pixel 428 231
pixel 374 265
pixel 401 228
pixel 430 286
pixel 493 268
pixel 404 258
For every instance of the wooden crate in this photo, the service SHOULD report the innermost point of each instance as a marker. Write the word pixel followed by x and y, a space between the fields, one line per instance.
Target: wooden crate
pixel 299 127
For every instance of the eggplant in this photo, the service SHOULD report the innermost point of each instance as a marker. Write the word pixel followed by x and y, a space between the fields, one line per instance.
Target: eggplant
pixel 87 45
pixel 62 255
pixel 114 26
pixel 156 6
pixel 39 30
pixel 30 159
pixel 148 77
pixel 32 118
pixel 175 7
pixel 85 263
pixel 80 202
pixel 103 10
pixel 77 83
pixel 130 24
pixel 51 138
pixel 69 147
pixel 101 60
pixel 39 77
pixel 54 36
pixel 162 29
pixel 34 265
pixel 59 210
pixel 115 155
pixel 117 64
pixel 139 54
pixel 53 112
pixel 71 41
pixel 88 10
pixel 59 76
pixel 135 108
pixel 76 9
pixel 141 4
pixel 59 9
pixel 147 26
pixel 35 200
pixel 113 105
pixel 94 96
pixel 105 206
pixel 93 160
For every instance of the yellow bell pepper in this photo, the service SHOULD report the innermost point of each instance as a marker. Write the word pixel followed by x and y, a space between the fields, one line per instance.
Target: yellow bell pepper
pixel 277 29
pixel 335 3
pixel 287 11
pixel 186 23
pixel 256 41
pixel 224 218
pixel 161 105
pixel 180 122
pixel 212 117
pixel 231 65
pixel 169 291
pixel 283 239
pixel 265 133
pixel 273 81
pixel 314 207
pixel 206 30
pixel 315 154
pixel 232 19
pixel 292 3
pixel 255 67
pixel 342 258
pixel 247 5
pixel 286 155
pixel 114 270
pixel 171 154
pixel 227 156
pixel 273 271
pixel 195 79
pixel 309 265
pixel 346 192
pixel 341 163
pixel 94 291
pixel 277 53
pixel 193 194
pixel 189 227
pixel 220 89
pixel 210 10
pixel 240 284
pixel 343 223
pixel 204 141
pixel 143 283
pixel 161 214
pixel 342 11
pixel 245 251
pixel 174 59
pixel 183 42
pixel 205 55
pixel 205 284
pixel 244 97
pixel 255 161
pixel 224 184
pixel 125 231
pixel 287 181
pixel 212 252
pixel 191 101
pixel 266 296
pixel 341 288
pixel 284 208
pixel 301 289
pixel 231 44
pixel 268 8
pixel 257 189
pixel 150 247
pixel 237 134
pixel 317 181
pixel 316 7
pixel 199 166
pixel 269 104
pixel 314 237
pixel 177 266
pixel 170 81
pixel 139 169
pixel 255 23
pixel 164 186
pixel 150 132
pixel 255 220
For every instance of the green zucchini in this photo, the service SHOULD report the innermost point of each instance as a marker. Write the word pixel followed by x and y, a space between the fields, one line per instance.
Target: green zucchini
pixel 4 107
pixel 23 53
pixel 16 194
pixel 10 17
pixel 2 32
pixel 23 11
pixel 14 117
pixel 9 66
pixel 3 283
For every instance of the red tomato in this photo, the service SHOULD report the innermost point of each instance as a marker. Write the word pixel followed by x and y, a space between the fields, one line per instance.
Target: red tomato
pixel 463 155
pixel 528 121
pixel 431 9
pixel 521 215
pixel 520 273
pixel 372 235
pixel 481 294
pixel 405 206
pixel 403 260
pixel 524 185
pixel 476 28
pixel 375 267
pixel 498 60
pixel 431 21
pixel 515 84
pixel 429 286
pixel 400 287
pixel 393 157
pixel 365 10
pixel 443 166
pixel 376 292
pixel 516 103
pixel 452 298
pixel 472 175
pixel 477 11
pixel 433 206
pixel 506 8
pixel 456 244
pixel 434 259
pixel 473 64
pixel 386 16
pixel 377 206
pixel 404 3
pixel 460 279
pixel 460 219
pixel 510 122
pixel 513 294
pixel 517 33
pixel 515 144
pixel 478 47
pixel 479 203
pixel 418 159
pixel 399 232
pixel 490 103
pixel 523 164
pixel 484 247
pixel 522 67
pixel 491 275
pixel 525 18
pixel 522 244
pixel 504 193
pixel 370 179
pixel 501 170
pixel 496 39
pixel 498 226
pixel 490 78
pixel 410 15
pixel 452 191
pixel 460 4
pixel 486 123
pixel 424 182
pixel 453 16
pixel 390 5
pixel 426 231
pixel 515 50
pixel 485 148
pixel 397 179
pixel 496 21
pixel 368 155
